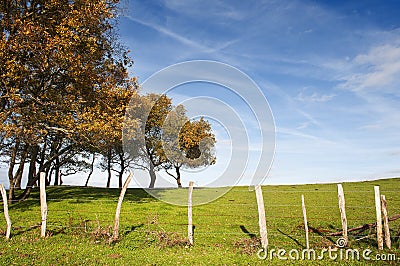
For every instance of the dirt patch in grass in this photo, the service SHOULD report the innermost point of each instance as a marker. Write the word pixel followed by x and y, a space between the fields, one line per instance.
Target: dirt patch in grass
pixel 101 234
pixel 248 246
pixel 168 239
pixel 115 256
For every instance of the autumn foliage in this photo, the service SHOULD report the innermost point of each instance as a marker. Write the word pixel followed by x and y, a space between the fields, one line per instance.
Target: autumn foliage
pixel 64 92
pixel 64 83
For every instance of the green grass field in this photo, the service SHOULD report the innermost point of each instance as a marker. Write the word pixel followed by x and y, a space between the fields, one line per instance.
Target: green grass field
pixel 226 230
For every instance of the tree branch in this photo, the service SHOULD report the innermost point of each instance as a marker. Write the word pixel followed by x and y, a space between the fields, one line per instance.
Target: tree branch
pixel 171 174
pixel 364 227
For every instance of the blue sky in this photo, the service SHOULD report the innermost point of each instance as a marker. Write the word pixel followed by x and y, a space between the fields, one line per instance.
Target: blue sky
pixel 330 71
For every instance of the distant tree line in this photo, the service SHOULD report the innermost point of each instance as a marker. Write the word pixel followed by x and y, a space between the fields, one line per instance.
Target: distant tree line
pixel 64 92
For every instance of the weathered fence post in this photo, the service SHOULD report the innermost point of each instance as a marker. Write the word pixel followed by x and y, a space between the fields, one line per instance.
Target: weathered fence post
pixel 43 203
pixel 378 217
pixel 303 206
pixel 119 205
pixel 342 208
pixel 6 215
pixel 261 217
pixel 190 220
pixel 386 222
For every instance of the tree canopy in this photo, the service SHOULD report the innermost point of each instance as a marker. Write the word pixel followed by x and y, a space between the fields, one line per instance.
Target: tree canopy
pixel 63 76
pixel 167 139
pixel 64 92
pixel 188 143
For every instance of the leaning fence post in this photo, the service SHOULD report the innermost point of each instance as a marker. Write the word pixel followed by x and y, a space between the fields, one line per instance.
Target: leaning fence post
pixel 386 222
pixel 119 205
pixel 43 203
pixel 261 217
pixel 342 207
pixel 6 215
pixel 190 220
pixel 303 206
pixel 378 218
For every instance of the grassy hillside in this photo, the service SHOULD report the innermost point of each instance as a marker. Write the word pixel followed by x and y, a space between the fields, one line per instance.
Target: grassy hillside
pixel 226 230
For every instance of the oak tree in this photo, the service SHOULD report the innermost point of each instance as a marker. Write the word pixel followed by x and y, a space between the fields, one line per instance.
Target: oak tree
pixel 187 143
pixel 166 138
pixel 59 66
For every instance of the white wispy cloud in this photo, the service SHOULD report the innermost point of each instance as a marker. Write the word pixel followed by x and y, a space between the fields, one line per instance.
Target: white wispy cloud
pixel 168 32
pixel 314 97
pixel 379 69
pixel 297 133
pixel 213 9
pixel 197 45
pixel 371 126
pixel 303 125
pixel 374 77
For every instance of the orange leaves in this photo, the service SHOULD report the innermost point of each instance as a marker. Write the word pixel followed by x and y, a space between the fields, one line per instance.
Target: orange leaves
pixel 193 132
pixel 59 72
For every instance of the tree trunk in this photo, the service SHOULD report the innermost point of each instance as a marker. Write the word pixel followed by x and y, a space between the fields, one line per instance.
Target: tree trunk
pixel 49 173
pixel 11 195
pixel 42 154
pixel 33 177
pixel 28 188
pixel 32 166
pixel 20 170
pixel 178 176
pixel 109 168
pixel 57 172
pixel 11 171
pixel 122 168
pixel 91 170
pixel 152 176
pixel 120 176
pixel 18 176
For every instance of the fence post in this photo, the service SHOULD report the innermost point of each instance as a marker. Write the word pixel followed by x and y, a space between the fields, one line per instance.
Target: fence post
pixel 303 206
pixel 261 217
pixel 386 222
pixel 6 215
pixel 43 203
pixel 119 205
pixel 342 207
pixel 190 220
pixel 378 218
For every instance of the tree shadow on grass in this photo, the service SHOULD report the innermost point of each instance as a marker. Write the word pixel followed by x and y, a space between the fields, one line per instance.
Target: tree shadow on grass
pixel 292 238
pixel 132 228
pixel 18 230
pixel 322 233
pixel 244 230
pixel 76 195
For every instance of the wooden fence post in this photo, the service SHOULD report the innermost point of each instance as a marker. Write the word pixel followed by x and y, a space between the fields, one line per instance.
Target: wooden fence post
pixel 378 217
pixel 6 215
pixel 119 205
pixel 386 222
pixel 342 208
pixel 43 203
pixel 303 206
pixel 261 217
pixel 190 220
